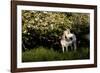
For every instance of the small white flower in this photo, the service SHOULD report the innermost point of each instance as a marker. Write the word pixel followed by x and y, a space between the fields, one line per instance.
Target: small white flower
pixel 28 26
pixel 24 31
pixel 28 33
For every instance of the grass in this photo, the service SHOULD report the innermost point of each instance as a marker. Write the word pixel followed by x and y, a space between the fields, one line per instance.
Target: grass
pixel 45 54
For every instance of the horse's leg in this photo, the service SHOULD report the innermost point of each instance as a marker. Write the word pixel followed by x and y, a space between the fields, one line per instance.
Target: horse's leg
pixel 63 49
pixel 71 46
pixel 66 47
pixel 75 46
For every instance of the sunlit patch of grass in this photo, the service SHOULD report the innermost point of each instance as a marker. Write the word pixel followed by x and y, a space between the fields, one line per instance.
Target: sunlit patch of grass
pixel 45 54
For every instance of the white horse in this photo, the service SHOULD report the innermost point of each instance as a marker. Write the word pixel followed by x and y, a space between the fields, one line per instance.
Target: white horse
pixel 67 40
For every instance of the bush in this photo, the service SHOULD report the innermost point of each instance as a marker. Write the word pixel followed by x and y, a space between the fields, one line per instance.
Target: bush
pixel 44 24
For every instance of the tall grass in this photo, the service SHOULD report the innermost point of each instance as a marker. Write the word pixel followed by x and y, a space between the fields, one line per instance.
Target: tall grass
pixel 45 54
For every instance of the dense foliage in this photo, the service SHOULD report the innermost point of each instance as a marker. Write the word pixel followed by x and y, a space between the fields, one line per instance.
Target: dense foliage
pixel 45 28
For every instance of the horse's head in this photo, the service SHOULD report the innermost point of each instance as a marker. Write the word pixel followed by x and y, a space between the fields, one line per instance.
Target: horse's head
pixel 64 37
pixel 66 32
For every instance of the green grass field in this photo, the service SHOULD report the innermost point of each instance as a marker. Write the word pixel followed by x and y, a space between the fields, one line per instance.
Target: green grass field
pixel 45 54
